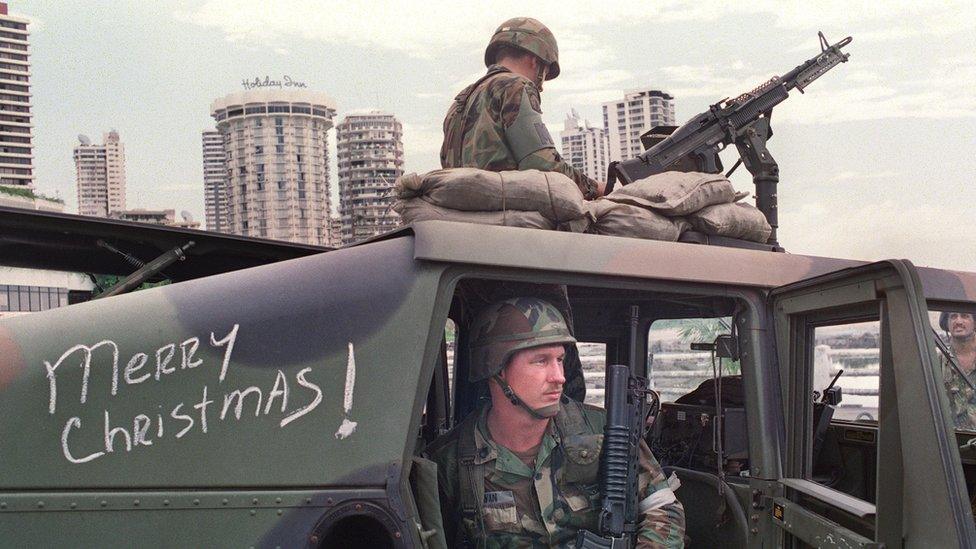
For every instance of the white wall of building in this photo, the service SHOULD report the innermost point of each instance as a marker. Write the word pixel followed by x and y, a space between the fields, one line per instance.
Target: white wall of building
pixel 277 161
pixel 584 147
pixel 214 181
pixel 16 130
pixel 100 175
pixel 626 119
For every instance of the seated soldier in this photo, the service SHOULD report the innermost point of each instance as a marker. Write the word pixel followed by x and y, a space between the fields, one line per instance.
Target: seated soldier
pixel 522 469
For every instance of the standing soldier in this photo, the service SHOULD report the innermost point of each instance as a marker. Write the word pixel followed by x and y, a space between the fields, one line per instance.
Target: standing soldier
pixel 960 382
pixel 496 124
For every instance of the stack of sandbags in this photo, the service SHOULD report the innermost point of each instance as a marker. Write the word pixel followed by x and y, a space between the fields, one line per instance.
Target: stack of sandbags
pixel 530 198
pixel 735 220
pixel 610 217
pixel 676 193
pixel 662 206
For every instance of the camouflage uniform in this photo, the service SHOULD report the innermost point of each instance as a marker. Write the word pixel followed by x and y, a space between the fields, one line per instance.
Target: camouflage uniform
pixel 544 505
pixel 476 124
pixel 496 123
pixel 962 398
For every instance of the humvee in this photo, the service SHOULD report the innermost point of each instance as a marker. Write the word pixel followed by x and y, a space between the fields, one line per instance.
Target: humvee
pixel 283 405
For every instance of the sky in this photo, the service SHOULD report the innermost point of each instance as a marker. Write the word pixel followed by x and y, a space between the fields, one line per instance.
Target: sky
pixel 877 158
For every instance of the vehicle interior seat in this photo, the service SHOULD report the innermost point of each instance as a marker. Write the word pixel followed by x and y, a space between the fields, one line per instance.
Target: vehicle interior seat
pixel 711 519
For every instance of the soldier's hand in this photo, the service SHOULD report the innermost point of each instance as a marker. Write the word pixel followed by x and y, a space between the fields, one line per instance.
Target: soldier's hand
pixel 601 188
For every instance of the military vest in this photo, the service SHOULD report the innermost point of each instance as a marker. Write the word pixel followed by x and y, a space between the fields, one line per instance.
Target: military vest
pixel 574 465
pixel 459 120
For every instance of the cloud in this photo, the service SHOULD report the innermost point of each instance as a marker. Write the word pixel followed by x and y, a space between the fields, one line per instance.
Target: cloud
pixel 464 82
pixel 430 95
pixel 878 230
pixel 422 146
pixel 943 91
pixel 179 187
pixel 425 30
pixel 856 176
pixel 389 26
pixel 862 76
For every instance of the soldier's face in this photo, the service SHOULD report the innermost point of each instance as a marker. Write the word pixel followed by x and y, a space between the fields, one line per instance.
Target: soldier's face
pixel 536 375
pixel 961 325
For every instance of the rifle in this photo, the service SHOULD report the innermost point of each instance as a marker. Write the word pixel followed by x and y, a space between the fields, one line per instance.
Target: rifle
pixel 743 121
pixel 626 410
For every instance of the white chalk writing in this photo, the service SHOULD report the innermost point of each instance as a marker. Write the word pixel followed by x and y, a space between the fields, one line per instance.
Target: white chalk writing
pixel 292 397
pixel 85 370
pixel 348 426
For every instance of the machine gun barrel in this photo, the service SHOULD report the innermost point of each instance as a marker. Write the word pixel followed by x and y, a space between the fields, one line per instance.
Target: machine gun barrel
pixel 706 134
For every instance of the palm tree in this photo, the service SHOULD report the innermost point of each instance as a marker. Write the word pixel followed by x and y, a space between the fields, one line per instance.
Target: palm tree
pixel 705 330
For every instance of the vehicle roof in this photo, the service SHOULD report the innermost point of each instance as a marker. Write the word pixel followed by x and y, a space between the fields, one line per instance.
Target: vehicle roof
pixel 494 246
pixel 68 242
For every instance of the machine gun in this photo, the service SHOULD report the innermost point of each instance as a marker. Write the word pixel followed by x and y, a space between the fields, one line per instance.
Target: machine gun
pixel 626 414
pixel 743 121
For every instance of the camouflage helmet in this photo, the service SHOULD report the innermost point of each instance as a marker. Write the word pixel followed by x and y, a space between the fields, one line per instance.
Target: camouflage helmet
pixel 504 327
pixel 944 318
pixel 529 35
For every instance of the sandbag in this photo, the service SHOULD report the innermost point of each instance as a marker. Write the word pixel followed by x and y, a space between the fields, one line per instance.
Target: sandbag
pixel 419 209
pixel 676 193
pixel 551 194
pixel 738 220
pixel 616 219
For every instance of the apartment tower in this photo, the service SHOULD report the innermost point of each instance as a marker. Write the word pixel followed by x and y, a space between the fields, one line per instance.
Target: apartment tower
pixel 625 120
pixel 215 181
pixel 100 173
pixel 585 147
pixel 277 163
pixel 16 143
pixel 370 157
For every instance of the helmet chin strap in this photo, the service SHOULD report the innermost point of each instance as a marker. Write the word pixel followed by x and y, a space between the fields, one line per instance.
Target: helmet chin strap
pixel 544 412
pixel 540 74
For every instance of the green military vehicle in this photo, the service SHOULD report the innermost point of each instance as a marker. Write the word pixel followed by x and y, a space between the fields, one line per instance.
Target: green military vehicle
pixel 283 405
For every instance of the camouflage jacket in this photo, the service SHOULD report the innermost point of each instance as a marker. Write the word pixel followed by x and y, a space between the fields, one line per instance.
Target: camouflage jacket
pixel 962 398
pixel 544 505
pixel 476 130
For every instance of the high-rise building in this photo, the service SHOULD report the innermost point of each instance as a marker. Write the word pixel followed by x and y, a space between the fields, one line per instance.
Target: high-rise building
pixel 277 161
pixel 100 175
pixel 639 111
pixel 370 157
pixel 585 147
pixel 215 181
pixel 16 143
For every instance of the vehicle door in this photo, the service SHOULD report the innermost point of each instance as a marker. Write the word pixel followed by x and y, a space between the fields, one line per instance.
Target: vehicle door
pixel 912 491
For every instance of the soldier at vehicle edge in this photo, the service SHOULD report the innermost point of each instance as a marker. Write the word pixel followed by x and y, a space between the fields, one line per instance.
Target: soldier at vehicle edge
pixel 522 469
pixel 960 383
pixel 496 124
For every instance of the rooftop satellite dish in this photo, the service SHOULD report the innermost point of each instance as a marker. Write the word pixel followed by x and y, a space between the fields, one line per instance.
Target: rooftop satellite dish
pixel 83 139
pixel 187 216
